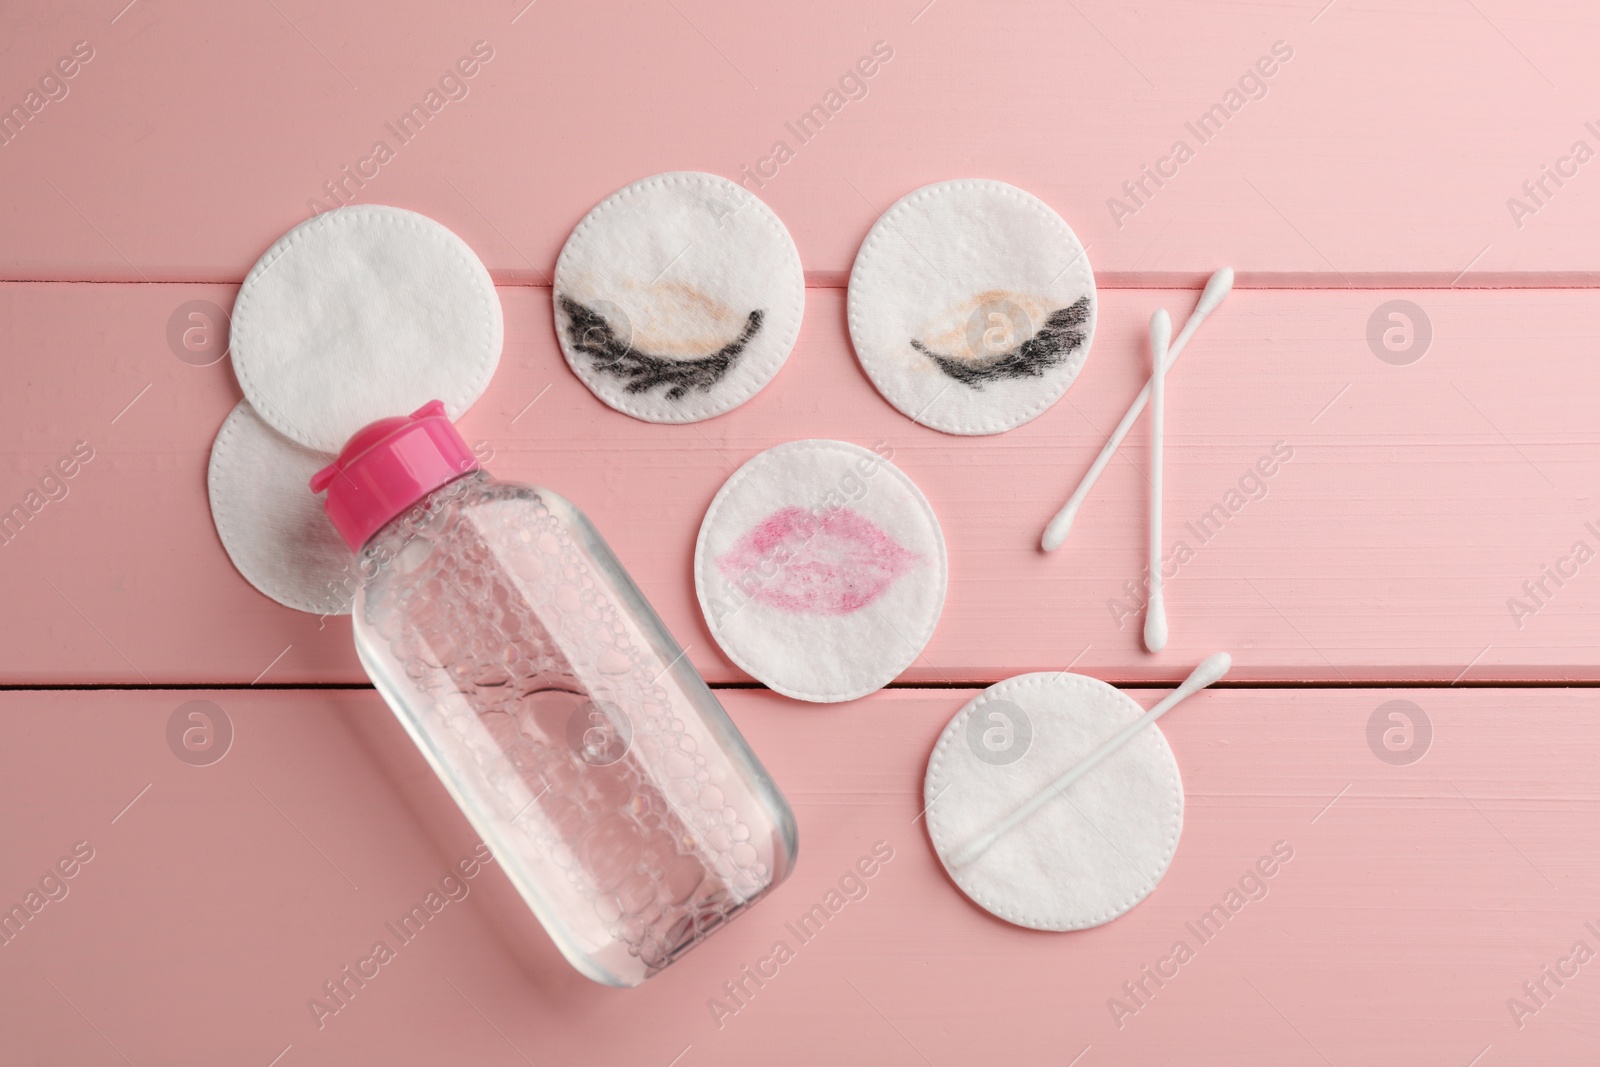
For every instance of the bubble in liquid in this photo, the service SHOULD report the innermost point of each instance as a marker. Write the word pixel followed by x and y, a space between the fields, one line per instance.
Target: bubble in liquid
pixel 613 661
pixel 680 879
pixel 636 894
pixel 611 849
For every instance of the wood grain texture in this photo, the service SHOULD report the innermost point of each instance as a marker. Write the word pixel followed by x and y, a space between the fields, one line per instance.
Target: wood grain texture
pixel 1403 151
pixel 1418 899
pixel 1387 148
pixel 1417 502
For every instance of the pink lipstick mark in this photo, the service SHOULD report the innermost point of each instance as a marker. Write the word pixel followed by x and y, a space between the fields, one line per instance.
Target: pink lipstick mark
pixel 835 563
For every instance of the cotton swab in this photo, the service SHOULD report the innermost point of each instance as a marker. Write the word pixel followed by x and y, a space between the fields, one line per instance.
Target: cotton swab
pixel 1055 533
pixel 1155 612
pixel 1211 670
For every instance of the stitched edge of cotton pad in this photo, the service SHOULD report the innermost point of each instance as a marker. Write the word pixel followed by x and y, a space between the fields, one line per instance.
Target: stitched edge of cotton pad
pixel 738 476
pixel 243 328
pixel 227 522
pixel 864 261
pixel 793 305
pixel 1042 682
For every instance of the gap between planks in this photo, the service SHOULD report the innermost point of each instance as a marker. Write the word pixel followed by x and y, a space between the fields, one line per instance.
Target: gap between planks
pixel 1109 280
pixel 908 687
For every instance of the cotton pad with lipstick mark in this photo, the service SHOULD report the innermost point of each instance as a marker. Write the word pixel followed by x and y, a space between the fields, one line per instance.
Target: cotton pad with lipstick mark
pixel 678 297
pixel 1089 854
pixel 971 306
pixel 360 313
pixel 821 570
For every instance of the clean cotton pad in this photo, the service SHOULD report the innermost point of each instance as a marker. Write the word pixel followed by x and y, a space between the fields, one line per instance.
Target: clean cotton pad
pixel 272 526
pixel 821 571
pixel 1092 852
pixel 678 297
pixel 360 314
pixel 971 306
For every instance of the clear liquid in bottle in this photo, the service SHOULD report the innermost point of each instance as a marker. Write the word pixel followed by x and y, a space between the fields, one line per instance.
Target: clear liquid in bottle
pixel 608 781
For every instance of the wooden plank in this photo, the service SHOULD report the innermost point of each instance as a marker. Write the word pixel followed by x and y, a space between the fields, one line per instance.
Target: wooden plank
pixel 220 898
pixel 1388 148
pixel 1417 503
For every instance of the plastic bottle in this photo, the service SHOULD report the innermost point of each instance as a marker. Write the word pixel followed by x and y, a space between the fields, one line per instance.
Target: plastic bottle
pixel 610 785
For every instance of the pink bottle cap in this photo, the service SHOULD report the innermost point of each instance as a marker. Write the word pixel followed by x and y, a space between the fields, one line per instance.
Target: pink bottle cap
pixel 389 465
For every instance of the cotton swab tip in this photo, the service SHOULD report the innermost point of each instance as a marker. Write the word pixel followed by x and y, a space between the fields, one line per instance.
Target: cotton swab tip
pixel 1220 284
pixel 1160 330
pixel 1155 625
pixel 1056 533
pixel 1211 670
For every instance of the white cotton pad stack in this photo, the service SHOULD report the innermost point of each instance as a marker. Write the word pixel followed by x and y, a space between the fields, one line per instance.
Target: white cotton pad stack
pixel 359 314
pixel 971 306
pixel 821 570
pixel 678 297
pixel 1087 855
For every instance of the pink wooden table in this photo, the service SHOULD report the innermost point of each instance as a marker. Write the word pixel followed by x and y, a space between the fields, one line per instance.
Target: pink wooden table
pixel 1441 152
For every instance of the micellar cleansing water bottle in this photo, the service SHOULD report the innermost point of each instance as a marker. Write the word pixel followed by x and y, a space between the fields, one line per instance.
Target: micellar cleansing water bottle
pixel 564 719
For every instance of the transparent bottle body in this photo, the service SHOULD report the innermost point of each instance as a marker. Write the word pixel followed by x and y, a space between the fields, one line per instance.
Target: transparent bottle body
pixel 613 789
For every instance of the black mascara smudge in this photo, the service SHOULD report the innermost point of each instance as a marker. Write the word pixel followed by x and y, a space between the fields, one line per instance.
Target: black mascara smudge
pixel 1057 339
pixel 592 335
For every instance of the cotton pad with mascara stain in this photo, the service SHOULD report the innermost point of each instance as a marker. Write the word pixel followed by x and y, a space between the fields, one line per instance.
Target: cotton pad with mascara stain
pixel 361 313
pixel 273 528
pixel 1091 850
pixel 677 298
pixel 971 306
pixel 821 570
